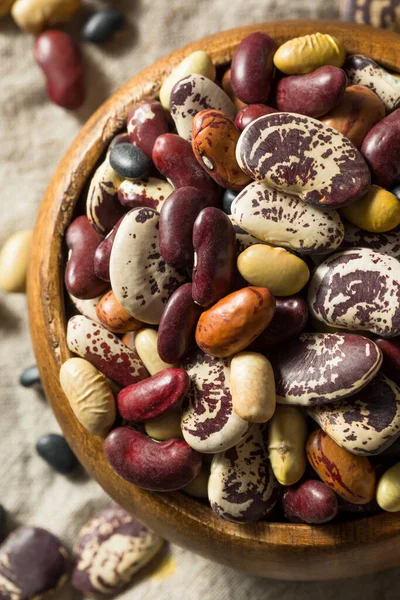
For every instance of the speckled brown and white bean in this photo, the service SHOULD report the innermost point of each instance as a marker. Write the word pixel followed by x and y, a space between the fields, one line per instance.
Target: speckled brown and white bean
pixel 150 192
pixel 243 239
pixel 323 367
pixel 366 423
pixel 284 220
pixel 358 289
pixel 365 71
pixel 105 351
pixel 384 243
pixel 141 280
pixel 241 483
pixel 299 155
pixel 209 423
pixel 193 94
pixel 103 208
pixel 111 547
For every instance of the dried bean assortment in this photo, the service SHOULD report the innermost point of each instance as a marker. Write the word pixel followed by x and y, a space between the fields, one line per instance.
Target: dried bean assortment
pixel 238 279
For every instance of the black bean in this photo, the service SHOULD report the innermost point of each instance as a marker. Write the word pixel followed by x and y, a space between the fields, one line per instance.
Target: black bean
pixel 102 25
pixel 54 449
pixel 30 378
pixel 227 199
pixel 129 161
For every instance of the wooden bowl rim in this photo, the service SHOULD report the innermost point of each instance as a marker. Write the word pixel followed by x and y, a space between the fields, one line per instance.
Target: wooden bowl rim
pixel 48 322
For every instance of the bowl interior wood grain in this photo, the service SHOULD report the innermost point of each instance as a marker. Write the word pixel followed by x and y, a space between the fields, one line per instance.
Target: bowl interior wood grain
pixel 279 550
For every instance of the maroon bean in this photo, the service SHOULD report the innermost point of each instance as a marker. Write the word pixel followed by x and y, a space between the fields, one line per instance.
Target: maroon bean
pixel 178 325
pixel 250 113
pixel 152 397
pixel 289 320
pixel 156 466
pixel 391 357
pixel 80 278
pixel 214 244
pixel 177 218
pixel 314 94
pixel 252 68
pixel 381 149
pixel 61 62
pixel 309 502
pixel 146 121
pixel 173 156
pixel 103 253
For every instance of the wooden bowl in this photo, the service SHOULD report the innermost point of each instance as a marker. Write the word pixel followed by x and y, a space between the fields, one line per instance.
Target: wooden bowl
pixel 278 550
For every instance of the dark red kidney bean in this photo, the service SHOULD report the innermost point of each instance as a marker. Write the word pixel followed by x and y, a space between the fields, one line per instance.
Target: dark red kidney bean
pixel 289 320
pixel 314 94
pixel 252 68
pixel 214 242
pixel 146 121
pixel 250 113
pixel 173 156
pixel 391 357
pixel 177 217
pixel 156 466
pixel 153 396
pixel 381 150
pixel 80 278
pixel 176 332
pixel 121 138
pixel 103 253
pixel 102 25
pixel 130 162
pixel 61 62
pixel 310 502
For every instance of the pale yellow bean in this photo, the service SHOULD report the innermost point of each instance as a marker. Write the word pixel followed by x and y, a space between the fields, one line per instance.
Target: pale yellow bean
pixel 165 427
pixel 252 387
pixel 146 347
pixel 287 444
pixel 34 15
pixel 388 489
pixel 14 260
pixel 198 62
pixel 199 486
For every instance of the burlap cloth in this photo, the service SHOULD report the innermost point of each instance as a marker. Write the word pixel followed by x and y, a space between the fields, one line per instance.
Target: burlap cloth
pixel 34 135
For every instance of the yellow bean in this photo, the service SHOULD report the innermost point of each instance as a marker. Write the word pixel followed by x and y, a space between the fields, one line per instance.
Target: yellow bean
pixel 14 259
pixel 146 347
pixel 305 54
pixel 198 62
pixel 388 489
pixel 287 444
pixel 165 427
pixel 378 211
pixel 252 387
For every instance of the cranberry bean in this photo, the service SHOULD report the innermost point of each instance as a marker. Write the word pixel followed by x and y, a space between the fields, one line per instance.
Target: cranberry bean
pixel 227 87
pixel 214 140
pixel 250 113
pixel 214 243
pixel 314 94
pixel 358 111
pixel 60 60
pixel 290 318
pixel 114 317
pixel 381 148
pixel 156 466
pixel 309 502
pixel 103 253
pixel 146 121
pixel 173 156
pixel 80 278
pixel 130 162
pixel 391 357
pixel 177 218
pixel 178 325
pixel 103 208
pixel 150 192
pixel 252 68
pixel 154 396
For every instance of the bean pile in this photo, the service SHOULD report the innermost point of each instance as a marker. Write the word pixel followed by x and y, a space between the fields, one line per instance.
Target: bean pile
pixel 237 280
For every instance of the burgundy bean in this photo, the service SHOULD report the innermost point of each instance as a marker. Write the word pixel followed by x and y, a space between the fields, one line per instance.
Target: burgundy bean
pixel 314 94
pixel 173 156
pixel 309 502
pixel 250 113
pixel 381 150
pixel 146 121
pixel 289 320
pixel 103 253
pixel 391 357
pixel 156 466
pixel 80 278
pixel 152 397
pixel 214 244
pixel 177 218
pixel 61 62
pixel 252 68
pixel 178 325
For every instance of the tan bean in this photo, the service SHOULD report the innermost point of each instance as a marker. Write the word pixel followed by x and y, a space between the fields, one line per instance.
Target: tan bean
pixel 5 6
pixel 34 15
pixel 252 387
pixel 14 259
pixel 146 347
pixel 287 444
